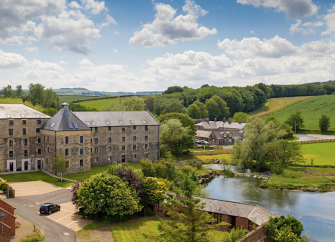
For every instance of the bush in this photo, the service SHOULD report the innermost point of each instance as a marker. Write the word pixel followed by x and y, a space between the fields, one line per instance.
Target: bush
pixel 277 168
pixel 291 174
pixel 234 235
pixel 228 173
pixel 19 169
pixel 195 163
pixel 280 225
pixel 4 186
pixel 149 212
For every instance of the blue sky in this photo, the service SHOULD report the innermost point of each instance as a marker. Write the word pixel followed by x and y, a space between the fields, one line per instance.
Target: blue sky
pixel 134 45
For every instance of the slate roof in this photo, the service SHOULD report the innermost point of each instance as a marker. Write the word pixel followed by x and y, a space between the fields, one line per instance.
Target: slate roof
pixel 254 213
pixel 220 124
pixel 61 120
pixel 11 111
pixel 203 133
pixel 119 118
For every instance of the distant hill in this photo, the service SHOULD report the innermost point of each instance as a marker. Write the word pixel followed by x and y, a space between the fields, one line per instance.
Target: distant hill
pixel 311 109
pixel 86 92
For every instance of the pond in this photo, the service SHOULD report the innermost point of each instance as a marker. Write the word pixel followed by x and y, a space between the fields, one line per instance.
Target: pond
pixel 315 210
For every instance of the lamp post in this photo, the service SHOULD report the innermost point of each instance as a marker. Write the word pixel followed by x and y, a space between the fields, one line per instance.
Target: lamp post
pixel 2 216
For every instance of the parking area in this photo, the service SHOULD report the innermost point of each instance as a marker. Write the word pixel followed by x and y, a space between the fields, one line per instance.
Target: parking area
pixel 32 188
pixel 67 217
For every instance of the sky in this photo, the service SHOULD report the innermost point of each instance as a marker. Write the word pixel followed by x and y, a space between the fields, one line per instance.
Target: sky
pixel 149 45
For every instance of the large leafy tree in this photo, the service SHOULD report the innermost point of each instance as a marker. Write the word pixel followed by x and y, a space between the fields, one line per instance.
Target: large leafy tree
pixel 107 195
pixel 153 189
pixel 185 120
pixel 59 165
pixel 173 89
pixel 213 108
pixel 295 120
pixel 324 123
pixel 281 227
pixel 202 108
pixel 285 152
pixel 241 117
pixel 190 223
pixel 193 111
pixel 224 109
pixel 255 146
pixel 168 104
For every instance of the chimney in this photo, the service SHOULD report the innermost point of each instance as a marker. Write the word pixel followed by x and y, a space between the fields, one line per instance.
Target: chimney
pixel 224 119
pixel 65 105
pixel 229 120
pixel 215 119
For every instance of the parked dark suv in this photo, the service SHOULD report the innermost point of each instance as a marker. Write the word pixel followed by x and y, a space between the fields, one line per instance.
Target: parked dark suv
pixel 48 208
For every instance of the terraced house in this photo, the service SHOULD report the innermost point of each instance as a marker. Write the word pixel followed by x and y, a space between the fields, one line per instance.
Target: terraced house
pixel 85 139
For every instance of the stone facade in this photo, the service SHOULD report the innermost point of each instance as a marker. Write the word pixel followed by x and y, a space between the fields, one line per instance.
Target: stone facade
pixel 20 149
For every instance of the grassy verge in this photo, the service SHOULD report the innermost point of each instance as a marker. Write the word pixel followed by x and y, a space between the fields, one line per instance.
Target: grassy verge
pixel 214 157
pixel 303 178
pixel 294 138
pixel 35 176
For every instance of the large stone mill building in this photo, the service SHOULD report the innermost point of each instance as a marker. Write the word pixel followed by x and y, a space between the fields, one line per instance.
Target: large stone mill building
pixel 29 139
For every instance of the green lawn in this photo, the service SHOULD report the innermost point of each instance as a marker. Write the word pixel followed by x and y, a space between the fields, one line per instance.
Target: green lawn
pixel 213 157
pixel 133 231
pixel 35 176
pixel 322 153
pixel 84 175
pixel 311 109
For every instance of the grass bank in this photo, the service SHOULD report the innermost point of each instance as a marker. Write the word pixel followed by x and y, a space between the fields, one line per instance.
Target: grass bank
pixel 303 178
pixel 35 176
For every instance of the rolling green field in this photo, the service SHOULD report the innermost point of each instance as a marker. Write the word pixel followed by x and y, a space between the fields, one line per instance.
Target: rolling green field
pixel 275 104
pixel 98 104
pixel 311 109
pixel 71 98
pixel 322 153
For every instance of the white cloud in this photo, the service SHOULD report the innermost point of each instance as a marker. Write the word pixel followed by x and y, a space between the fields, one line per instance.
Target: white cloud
pixel 296 28
pixel 31 75
pixel 14 13
pixel 31 49
pixel 292 8
pixel 85 62
pixel 69 31
pixel 251 32
pixel 63 62
pixel 11 60
pixel 330 22
pixel 314 24
pixel 47 66
pixel 14 40
pixel 166 29
pixel 115 51
pixel 252 47
pixel 96 7
pixel 74 4
pixel 109 20
pixel 115 32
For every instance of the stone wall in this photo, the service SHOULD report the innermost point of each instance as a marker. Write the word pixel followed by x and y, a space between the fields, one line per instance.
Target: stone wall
pixel 114 154
pixel 18 142
pixel 257 235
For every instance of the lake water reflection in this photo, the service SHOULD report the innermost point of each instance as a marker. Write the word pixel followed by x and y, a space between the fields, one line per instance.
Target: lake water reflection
pixel 315 210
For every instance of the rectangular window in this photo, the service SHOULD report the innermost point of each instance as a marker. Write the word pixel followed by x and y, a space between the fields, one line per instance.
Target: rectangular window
pixel 96 159
pixel 25 141
pixel 145 146
pixel 24 131
pixel 123 138
pixel 146 127
pixel 11 122
pixel 10 131
pixel 48 150
pixel 134 138
pixel 11 153
pixel 159 207
pixel 109 148
pixel 218 217
pixel 25 152
pixel 134 147
pixel 81 162
pixel 109 128
pixel 66 152
pixel 39 151
pixel 91 150
pixel 67 164
pixel 81 151
pixel 109 158
pixel 123 130
pixel 38 140
pixel 24 121
pixel 96 129
pixel 44 149
pixel 11 142
pixel 44 137
pixel 96 140
pixel 66 139
pixel 39 121
pixel 38 130
pixel 123 147
pixel 109 139
pixel 134 127
pixel 47 161
pixel 91 141
pixel 48 138
pixel 146 138
pixel 134 156
pixel 95 149
pixel 81 139
pixel 146 155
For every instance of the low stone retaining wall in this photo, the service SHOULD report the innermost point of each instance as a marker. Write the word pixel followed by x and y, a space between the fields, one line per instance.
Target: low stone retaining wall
pixel 257 235
pixel 205 178
pixel 212 152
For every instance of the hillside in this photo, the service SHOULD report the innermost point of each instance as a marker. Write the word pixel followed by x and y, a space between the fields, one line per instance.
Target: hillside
pixel 311 109
pixel 275 104
pixel 71 98
pixel 100 103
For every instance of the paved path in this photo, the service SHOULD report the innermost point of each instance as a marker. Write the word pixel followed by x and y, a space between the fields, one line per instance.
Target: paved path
pixel 28 208
pixel 308 137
